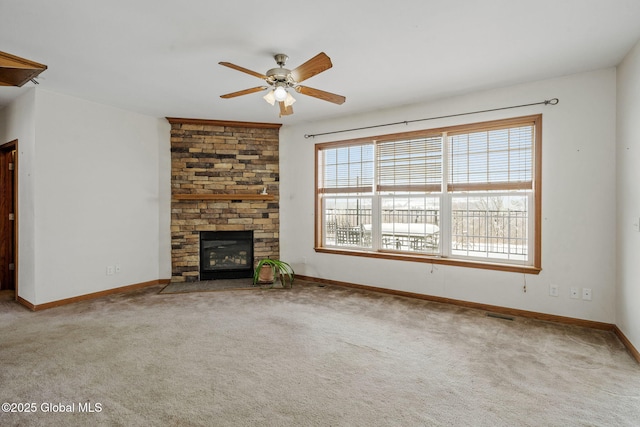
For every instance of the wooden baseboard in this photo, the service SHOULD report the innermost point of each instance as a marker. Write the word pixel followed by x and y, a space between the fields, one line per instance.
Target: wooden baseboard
pixel 625 341
pixel 72 300
pixel 26 303
pixel 494 309
pixel 486 307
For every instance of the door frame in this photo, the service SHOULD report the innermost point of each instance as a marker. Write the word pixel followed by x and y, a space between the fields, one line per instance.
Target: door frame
pixel 7 147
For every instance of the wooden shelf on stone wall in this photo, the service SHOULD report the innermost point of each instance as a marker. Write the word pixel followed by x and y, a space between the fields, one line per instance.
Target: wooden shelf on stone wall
pixel 237 196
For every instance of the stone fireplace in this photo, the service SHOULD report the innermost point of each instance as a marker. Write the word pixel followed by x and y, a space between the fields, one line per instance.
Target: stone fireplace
pixel 219 171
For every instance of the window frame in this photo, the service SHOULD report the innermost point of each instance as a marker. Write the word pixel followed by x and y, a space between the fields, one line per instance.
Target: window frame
pixel 446 196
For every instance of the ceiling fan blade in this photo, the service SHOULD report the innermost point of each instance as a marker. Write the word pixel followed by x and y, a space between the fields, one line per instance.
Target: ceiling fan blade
pixel 319 63
pixel 321 94
pixel 284 110
pixel 244 70
pixel 243 92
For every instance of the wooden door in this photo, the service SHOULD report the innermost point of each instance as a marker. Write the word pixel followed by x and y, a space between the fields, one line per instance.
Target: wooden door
pixel 7 216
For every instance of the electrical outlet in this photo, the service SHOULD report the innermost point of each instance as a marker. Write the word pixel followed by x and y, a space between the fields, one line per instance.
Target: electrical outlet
pixel 110 270
pixel 586 294
pixel 554 291
pixel 574 292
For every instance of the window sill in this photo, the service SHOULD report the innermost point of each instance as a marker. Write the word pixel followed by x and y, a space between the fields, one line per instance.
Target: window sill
pixel 433 260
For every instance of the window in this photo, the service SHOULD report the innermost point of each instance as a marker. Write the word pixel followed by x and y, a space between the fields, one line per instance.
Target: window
pixel 465 195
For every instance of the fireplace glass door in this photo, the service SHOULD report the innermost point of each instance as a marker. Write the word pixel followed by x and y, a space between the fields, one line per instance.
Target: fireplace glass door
pixel 226 254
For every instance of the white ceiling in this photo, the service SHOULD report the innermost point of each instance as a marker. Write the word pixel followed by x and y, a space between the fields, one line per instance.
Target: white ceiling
pixel 160 57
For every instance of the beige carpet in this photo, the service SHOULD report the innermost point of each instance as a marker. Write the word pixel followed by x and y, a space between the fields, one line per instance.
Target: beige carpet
pixel 209 286
pixel 309 356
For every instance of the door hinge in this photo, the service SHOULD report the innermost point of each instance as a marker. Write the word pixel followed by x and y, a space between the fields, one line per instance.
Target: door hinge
pixel 12 217
pixel 12 266
pixel 11 166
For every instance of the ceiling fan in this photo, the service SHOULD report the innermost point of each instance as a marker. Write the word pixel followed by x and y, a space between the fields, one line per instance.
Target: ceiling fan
pixel 280 79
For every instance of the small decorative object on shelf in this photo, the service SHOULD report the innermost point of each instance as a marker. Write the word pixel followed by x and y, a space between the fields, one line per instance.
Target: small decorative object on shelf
pixel 268 271
pixel 264 191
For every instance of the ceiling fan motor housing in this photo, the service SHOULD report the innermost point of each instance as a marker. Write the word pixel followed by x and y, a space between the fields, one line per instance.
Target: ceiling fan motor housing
pixel 280 75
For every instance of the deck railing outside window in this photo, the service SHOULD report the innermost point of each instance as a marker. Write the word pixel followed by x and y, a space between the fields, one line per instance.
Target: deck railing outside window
pixel 473 232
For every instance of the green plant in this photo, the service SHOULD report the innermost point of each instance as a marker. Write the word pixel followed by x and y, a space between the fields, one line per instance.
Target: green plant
pixel 279 268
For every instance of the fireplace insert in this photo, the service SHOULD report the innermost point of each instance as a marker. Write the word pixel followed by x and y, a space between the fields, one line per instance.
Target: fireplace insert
pixel 226 254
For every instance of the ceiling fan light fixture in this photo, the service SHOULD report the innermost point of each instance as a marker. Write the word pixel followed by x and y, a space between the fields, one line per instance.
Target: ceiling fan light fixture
pixel 289 100
pixel 270 98
pixel 280 93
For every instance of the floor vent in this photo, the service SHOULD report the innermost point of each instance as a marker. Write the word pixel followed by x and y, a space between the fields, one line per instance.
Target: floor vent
pixel 499 316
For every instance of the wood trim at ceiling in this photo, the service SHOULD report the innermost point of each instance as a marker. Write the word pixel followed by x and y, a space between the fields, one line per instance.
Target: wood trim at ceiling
pixel 16 71
pixel 257 125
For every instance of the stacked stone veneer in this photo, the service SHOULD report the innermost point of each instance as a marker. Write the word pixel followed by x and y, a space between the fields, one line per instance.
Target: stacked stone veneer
pixel 214 157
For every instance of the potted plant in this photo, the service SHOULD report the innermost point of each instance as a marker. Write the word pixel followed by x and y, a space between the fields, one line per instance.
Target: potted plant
pixel 269 270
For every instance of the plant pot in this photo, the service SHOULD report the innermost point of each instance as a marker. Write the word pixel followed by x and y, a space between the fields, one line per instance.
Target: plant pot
pixel 266 274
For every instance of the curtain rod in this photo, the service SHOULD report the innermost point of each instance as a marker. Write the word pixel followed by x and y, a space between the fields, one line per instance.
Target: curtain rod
pixel 552 101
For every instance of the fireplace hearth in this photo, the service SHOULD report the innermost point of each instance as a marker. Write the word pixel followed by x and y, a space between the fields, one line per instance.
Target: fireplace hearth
pixel 226 254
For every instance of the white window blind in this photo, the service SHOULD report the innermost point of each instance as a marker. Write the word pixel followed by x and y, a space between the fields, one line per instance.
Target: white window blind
pixel 411 165
pixel 498 159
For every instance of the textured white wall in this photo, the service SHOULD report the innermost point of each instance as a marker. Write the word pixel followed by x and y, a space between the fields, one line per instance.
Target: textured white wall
pixel 98 200
pixel 628 160
pixel 17 121
pixel 98 196
pixel 578 200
